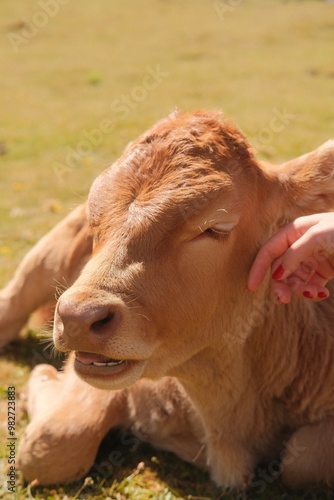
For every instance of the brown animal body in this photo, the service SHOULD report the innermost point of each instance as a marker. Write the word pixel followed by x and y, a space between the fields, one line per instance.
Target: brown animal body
pixel 160 316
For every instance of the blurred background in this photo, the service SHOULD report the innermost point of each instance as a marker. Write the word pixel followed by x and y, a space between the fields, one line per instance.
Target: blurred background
pixel 79 80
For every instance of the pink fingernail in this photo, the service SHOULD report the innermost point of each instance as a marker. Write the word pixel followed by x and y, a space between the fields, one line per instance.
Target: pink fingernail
pixel 278 273
pixel 308 295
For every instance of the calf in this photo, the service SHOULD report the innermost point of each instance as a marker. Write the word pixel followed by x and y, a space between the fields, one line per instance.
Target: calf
pixel 160 324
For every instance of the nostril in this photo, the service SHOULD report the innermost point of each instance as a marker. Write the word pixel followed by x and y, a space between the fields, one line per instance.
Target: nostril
pixel 97 325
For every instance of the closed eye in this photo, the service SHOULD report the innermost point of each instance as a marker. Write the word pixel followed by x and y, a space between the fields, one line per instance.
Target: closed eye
pixel 215 233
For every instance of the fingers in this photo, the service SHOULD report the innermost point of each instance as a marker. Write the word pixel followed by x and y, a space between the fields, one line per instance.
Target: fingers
pixel 312 290
pixel 282 291
pixel 272 249
pixel 305 240
pixel 306 255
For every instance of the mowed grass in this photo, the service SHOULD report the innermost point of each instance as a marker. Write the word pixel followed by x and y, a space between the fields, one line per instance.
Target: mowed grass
pixel 78 84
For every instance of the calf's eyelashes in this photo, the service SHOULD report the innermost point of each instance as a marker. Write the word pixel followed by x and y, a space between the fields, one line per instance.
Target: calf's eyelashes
pixel 215 232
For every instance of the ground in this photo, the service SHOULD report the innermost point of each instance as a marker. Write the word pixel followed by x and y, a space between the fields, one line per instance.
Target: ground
pixel 79 80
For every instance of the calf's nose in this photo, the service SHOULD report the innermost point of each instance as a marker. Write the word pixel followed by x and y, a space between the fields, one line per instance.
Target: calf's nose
pixel 74 318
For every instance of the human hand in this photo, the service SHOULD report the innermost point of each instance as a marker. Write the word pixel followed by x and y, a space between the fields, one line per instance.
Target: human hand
pixel 301 256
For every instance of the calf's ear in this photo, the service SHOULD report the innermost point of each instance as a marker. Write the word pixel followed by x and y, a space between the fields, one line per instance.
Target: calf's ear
pixel 308 182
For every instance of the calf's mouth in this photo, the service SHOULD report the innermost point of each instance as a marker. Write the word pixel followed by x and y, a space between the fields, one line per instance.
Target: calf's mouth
pixel 89 359
pixel 107 373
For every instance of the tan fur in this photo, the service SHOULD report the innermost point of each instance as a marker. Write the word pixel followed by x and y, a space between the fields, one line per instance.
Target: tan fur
pixel 52 264
pixel 223 377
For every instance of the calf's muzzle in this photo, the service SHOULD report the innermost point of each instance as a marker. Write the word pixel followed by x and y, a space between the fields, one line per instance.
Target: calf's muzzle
pixel 88 320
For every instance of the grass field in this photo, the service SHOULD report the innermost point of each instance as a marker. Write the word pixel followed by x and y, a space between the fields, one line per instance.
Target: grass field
pixel 79 80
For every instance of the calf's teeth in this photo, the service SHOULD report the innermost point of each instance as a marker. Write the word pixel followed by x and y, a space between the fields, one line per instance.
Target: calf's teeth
pixel 111 363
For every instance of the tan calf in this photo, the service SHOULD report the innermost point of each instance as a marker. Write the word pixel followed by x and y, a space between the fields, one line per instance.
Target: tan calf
pixel 160 316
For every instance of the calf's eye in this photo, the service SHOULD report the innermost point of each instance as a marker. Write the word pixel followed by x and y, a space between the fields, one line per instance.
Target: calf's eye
pixel 215 233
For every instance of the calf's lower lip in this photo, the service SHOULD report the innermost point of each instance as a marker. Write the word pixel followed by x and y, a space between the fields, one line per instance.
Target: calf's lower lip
pixel 107 373
pixel 115 375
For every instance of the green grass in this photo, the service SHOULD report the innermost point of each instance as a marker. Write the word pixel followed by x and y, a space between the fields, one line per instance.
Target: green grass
pixel 258 61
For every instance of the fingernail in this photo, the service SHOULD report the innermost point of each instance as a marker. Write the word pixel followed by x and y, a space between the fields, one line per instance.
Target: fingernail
pixel 278 273
pixel 322 295
pixel 279 300
pixel 308 295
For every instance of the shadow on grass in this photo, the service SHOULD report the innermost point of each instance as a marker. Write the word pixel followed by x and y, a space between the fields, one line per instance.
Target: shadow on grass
pixel 143 474
pixel 153 474
pixel 30 351
pixel 155 469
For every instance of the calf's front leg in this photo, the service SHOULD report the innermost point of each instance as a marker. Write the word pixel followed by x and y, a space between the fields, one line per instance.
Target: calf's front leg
pixel 54 261
pixel 69 419
pixel 230 463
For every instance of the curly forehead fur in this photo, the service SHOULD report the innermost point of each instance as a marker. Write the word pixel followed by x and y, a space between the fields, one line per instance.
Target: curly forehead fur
pixel 181 157
pixel 182 140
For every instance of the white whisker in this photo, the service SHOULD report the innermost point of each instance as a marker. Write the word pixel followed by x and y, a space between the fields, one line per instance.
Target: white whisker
pixel 138 314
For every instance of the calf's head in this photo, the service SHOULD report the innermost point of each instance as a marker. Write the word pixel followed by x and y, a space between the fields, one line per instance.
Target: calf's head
pixel 176 222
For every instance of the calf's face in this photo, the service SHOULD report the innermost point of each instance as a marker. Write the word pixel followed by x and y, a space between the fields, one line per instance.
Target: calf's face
pixel 175 222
